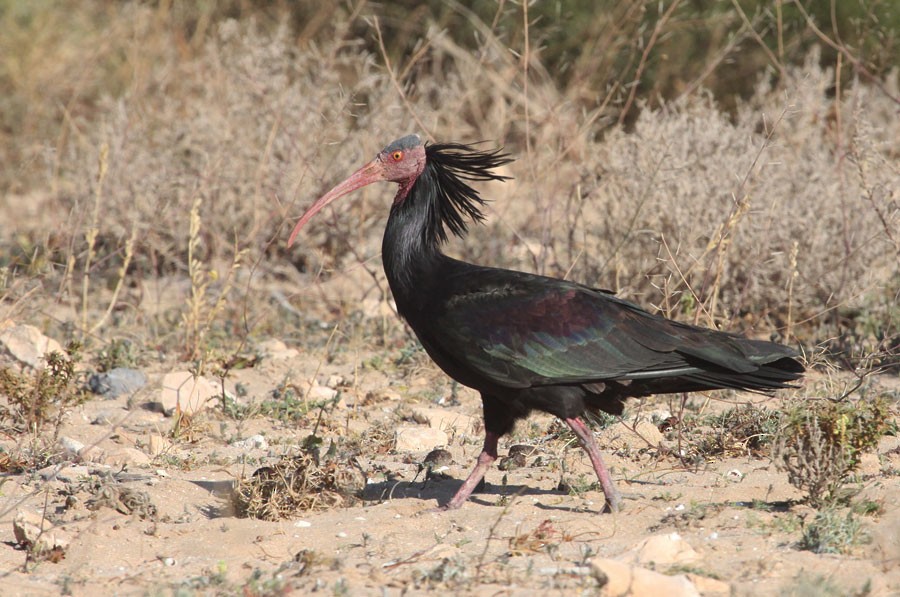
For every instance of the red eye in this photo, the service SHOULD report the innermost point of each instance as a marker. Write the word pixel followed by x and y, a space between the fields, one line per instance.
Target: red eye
pixel 397 156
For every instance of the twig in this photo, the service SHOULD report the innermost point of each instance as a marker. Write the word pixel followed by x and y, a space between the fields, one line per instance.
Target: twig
pixel 840 47
pixel 644 57
pixel 395 81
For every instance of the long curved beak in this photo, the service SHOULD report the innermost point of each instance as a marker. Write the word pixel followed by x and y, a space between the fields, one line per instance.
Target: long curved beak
pixel 371 172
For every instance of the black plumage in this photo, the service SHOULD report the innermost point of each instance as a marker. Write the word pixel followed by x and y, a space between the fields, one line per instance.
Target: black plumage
pixel 529 342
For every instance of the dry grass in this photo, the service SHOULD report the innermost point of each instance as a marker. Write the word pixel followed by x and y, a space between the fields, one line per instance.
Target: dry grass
pixel 300 483
pixel 152 158
pixel 781 216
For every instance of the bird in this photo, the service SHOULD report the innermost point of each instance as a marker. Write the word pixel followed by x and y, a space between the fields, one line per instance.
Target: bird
pixel 528 342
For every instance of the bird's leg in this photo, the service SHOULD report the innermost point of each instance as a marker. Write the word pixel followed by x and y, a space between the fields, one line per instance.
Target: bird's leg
pixel 485 459
pixel 586 438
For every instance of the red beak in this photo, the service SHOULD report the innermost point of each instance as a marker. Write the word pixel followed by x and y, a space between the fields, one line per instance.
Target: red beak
pixel 371 172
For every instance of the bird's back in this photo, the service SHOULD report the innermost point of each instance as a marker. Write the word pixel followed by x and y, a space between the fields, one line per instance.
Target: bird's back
pixel 495 329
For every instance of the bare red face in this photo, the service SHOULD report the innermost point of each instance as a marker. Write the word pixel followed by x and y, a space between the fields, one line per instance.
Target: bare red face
pixel 402 161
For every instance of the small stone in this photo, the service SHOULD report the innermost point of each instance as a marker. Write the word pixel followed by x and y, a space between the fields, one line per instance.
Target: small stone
pixel 303 524
pixel 618 578
pixel 661 550
pixel 734 475
pixel 184 390
pixel 334 381
pixel 119 457
pixel 384 394
pixel 33 531
pixel 73 447
pixel 68 474
pixel 321 393
pixel 26 343
pixel 418 439
pixel 277 350
pixel 102 418
pixel 257 442
pixel 116 382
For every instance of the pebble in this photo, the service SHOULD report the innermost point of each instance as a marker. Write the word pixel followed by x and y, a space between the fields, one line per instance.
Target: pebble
pixel 618 578
pixel 418 439
pixel 72 447
pixel 116 382
pixel 119 457
pixel 257 441
pixel 36 532
pixel 321 393
pixel 184 390
pixel 734 475
pixel 68 474
pixel 276 350
pixel 661 550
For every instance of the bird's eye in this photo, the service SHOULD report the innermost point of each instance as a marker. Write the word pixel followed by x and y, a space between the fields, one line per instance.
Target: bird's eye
pixel 397 156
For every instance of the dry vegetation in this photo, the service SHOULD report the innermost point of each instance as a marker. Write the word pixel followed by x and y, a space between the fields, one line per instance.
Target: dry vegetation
pixel 742 174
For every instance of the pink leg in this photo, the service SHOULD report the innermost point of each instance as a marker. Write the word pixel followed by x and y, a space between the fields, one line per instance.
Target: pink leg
pixel 590 446
pixel 485 459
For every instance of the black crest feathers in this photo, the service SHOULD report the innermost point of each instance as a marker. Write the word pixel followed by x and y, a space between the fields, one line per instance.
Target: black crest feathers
pixel 449 167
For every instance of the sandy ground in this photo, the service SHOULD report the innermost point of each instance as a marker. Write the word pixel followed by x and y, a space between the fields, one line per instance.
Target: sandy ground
pixel 520 536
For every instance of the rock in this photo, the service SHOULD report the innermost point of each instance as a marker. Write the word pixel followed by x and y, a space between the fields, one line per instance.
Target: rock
pixel 276 350
pixel 618 578
pixel 418 439
pixel 335 381
pixel 33 531
pixel 661 550
pixel 318 392
pixel 116 382
pixel 68 474
pixel 709 587
pixel 72 447
pixel 119 457
pixel 26 343
pixel 257 442
pixel 643 434
pixel 184 390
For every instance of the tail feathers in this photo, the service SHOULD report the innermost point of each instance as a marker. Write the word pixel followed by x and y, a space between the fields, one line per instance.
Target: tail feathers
pixel 765 379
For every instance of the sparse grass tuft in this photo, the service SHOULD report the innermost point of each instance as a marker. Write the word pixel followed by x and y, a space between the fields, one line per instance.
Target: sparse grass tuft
pixel 833 531
pixel 739 431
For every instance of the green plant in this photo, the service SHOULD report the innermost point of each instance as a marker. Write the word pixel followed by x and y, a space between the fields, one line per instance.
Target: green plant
pixel 43 397
pixel 118 352
pixel 832 531
pixel 820 443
